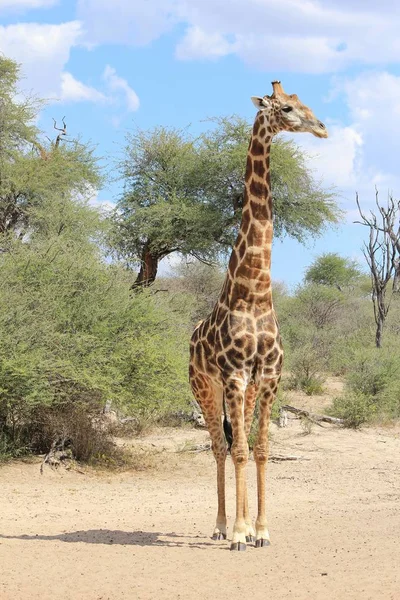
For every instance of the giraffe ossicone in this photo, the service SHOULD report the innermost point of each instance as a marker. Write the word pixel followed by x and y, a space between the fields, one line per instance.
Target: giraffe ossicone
pixel 236 353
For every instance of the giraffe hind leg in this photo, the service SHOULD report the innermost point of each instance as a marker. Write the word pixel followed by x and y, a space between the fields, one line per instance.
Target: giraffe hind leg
pixel 249 405
pixel 267 396
pixel 210 400
pixel 234 390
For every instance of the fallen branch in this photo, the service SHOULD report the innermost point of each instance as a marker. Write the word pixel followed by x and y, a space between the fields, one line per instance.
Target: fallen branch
pixel 281 457
pixel 273 458
pixel 57 454
pixel 199 448
pixel 315 418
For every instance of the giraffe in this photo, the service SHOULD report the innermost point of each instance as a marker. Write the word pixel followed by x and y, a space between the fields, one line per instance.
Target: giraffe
pixel 236 353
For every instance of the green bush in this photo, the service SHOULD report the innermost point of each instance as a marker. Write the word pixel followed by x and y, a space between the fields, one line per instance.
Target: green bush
pixel 371 370
pixel 372 378
pixel 72 335
pixel 313 386
pixel 388 403
pixel 354 408
pixel 305 370
pixel 77 426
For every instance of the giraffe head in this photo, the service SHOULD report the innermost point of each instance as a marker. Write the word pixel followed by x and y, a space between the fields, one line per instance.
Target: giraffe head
pixel 287 113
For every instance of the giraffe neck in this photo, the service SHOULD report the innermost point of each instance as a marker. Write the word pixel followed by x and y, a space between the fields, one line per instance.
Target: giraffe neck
pixel 248 280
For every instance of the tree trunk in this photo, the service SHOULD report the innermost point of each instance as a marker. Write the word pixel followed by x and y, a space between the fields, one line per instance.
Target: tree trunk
pixel 148 269
pixel 379 330
pixel 396 278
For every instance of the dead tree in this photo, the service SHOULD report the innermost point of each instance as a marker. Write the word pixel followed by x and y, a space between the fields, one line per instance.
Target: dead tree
pixel 43 152
pixel 391 219
pixel 382 253
pixel 62 130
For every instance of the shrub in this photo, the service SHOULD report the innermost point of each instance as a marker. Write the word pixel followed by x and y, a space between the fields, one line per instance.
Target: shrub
pixel 372 369
pixel 388 402
pixel 307 425
pixel 354 408
pixel 313 386
pixel 77 426
pixel 72 336
pixel 305 370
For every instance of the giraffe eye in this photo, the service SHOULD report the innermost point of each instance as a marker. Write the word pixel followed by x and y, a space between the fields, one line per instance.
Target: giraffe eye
pixel 287 109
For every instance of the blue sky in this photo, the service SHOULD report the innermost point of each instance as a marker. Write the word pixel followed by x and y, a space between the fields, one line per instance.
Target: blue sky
pixel 111 65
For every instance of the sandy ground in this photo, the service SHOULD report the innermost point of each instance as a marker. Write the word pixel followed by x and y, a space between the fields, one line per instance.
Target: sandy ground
pixel 334 519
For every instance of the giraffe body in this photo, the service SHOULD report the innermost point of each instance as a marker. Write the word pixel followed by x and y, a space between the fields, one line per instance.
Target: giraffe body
pixel 236 353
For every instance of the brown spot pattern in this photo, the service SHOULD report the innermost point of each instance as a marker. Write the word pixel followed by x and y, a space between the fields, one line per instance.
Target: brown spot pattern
pixel 258 188
pixel 249 168
pixel 257 148
pixel 259 168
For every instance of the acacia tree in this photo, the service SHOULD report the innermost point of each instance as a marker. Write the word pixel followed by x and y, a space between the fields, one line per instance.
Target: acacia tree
pixel 185 194
pixel 382 253
pixel 32 169
pixel 334 270
pixel 71 335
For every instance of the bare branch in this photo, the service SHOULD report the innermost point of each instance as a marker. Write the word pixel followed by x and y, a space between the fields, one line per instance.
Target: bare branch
pixel 63 131
pixel 381 256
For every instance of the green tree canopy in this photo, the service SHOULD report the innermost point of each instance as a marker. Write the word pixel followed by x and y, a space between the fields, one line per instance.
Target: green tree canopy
pixel 31 169
pixel 185 194
pixel 70 333
pixel 334 270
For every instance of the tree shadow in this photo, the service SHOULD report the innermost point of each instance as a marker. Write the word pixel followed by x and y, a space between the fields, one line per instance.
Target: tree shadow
pixel 112 537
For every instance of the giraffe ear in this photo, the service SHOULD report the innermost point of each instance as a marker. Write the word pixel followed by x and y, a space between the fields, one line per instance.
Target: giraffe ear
pixel 260 103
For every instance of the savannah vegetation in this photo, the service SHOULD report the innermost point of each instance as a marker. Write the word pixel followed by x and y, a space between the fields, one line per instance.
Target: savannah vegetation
pixel 86 320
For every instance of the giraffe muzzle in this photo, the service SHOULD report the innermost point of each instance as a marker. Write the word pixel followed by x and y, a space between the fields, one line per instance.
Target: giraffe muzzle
pixel 320 130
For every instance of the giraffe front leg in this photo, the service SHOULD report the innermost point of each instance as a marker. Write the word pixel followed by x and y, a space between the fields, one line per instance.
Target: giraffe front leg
pixel 267 396
pixel 249 405
pixel 209 398
pixel 219 450
pixel 250 533
pixel 240 454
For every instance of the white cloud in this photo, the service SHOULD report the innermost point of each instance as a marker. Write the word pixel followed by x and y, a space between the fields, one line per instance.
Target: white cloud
pixel 118 84
pixel 126 21
pixel 91 197
pixel 298 35
pixel 105 206
pixel 43 50
pixel 17 5
pixel 198 44
pixel 364 153
pixel 338 159
pixel 373 100
pixel 117 92
pixel 73 90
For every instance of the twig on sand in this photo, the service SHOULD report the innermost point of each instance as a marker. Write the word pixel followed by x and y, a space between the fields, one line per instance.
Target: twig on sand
pixel 282 458
pixel 274 457
pixel 57 454
pixel 198 448
pixel 313 417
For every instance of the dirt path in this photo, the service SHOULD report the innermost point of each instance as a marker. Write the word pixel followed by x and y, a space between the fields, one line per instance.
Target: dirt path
pixel 334 521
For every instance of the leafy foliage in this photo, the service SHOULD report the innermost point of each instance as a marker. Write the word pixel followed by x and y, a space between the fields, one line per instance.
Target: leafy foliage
pixel 31 170
pixel 71 334
pixel 185 194
pixel 333 270
pixel 354 408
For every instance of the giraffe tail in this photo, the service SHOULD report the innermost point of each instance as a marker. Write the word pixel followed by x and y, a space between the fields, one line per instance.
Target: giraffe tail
pixel 227 428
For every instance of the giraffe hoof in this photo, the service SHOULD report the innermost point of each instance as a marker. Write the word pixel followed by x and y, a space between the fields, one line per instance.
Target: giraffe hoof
pixel 262 543
pixel 240 546
pixel 219 536
pixel 250 539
